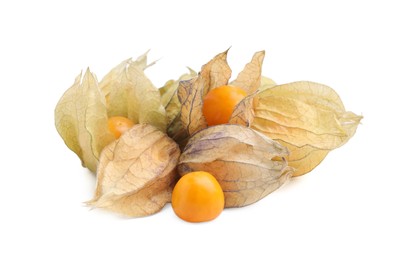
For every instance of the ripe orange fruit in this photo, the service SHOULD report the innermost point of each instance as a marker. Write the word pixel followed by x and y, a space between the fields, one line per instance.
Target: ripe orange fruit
pixel 220 102
pixel 197 197
pixel 119 124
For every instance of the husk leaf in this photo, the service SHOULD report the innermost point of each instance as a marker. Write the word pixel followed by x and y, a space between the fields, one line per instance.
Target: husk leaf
pixel 81 120
pixel 136 172
pixel 242 160
pixel 309 118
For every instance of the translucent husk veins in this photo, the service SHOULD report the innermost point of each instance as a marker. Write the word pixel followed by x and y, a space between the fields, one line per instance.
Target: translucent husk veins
pixel 242 160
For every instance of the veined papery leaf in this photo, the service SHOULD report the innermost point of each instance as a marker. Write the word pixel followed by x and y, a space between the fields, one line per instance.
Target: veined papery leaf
pixel 136 173
pixel 242 160
pixel 81 120
pixel 307 117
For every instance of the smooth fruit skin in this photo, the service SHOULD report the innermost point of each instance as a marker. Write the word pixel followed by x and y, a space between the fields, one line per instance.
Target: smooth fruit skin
pixel 219 103
pixel 197 197
pixel 119 124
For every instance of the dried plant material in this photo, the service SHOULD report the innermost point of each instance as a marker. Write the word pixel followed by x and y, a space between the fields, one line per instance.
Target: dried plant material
pixel 311 93
pixel 190 96
pixel 305 158
pixel 250 78
pixel 131 94
pixel 167 87
pixel 170 101
pixel 266 83
pixel 82 113
pixel 136 172
pixel 115 88
pixel 214 74
pixel 308 117
pixel 304 115
pixel 243 161
pixel 169 97
pixel 81 120
pixel 177 132
pixel 243 113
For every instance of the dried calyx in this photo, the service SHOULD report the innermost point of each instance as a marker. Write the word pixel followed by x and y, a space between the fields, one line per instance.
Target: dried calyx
pixel 82 113
pixel 247 164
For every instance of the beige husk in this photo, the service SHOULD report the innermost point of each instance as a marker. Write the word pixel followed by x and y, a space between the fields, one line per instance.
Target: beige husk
pixel 137 172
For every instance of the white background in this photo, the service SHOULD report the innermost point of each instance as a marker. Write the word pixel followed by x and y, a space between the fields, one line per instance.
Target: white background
pixel 360 203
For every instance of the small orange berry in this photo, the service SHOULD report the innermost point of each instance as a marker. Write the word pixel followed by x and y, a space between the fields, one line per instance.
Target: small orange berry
pixel 197 197
pixel 219 103
pixel 119 124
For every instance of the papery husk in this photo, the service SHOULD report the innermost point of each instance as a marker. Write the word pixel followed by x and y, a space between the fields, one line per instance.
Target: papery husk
pixel 81 120
pixel 191 92
pixel 131 94
pixel 215 73
pixel 136 173
pixel 309 118
pixel 169 97
pixel 243 114
pixel 266 83
pixel 242 160
pixel 249 79
pixel 170 101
